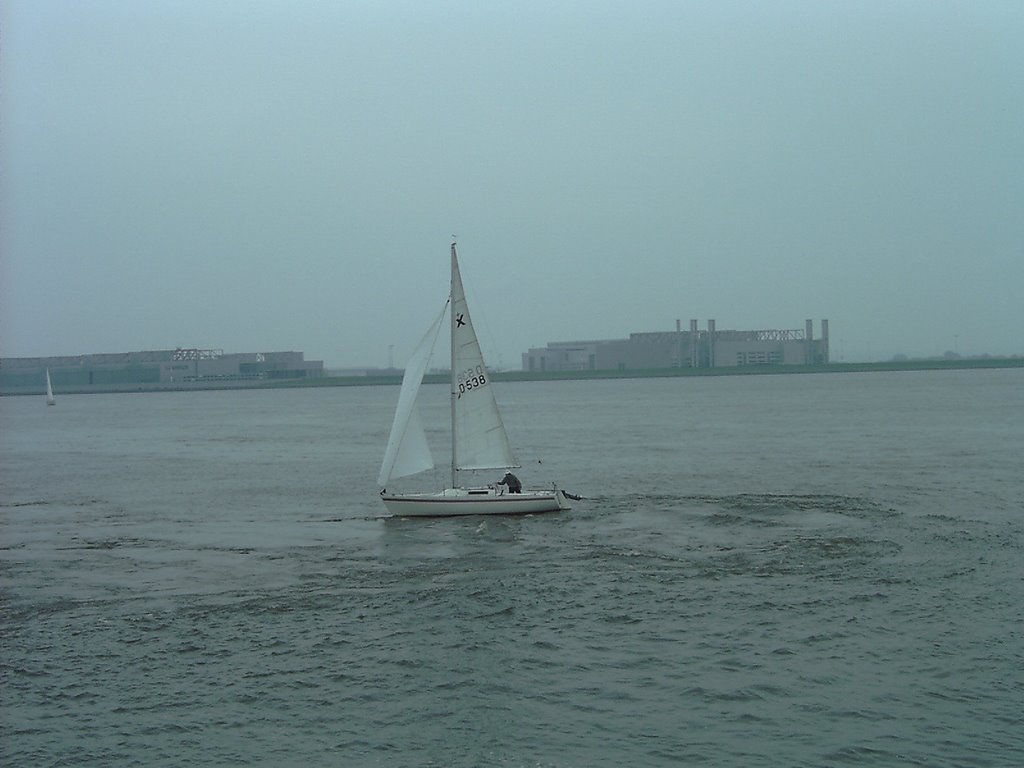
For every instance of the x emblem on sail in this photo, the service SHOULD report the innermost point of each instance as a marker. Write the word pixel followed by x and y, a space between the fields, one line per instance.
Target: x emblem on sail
pixel 460 320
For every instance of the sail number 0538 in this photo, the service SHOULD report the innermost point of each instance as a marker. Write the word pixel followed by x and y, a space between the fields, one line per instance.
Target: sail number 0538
pixel 472 378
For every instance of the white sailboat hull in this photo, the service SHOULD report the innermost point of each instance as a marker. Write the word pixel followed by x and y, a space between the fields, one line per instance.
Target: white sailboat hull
pixel 474 501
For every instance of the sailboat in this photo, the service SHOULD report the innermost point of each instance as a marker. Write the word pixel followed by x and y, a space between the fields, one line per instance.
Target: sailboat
pixel 50 399
pixel 479 440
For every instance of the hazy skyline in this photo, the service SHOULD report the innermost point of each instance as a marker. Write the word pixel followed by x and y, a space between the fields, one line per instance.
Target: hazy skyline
pixel 270 175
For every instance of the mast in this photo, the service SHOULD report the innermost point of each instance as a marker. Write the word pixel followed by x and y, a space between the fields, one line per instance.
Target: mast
pixel 454 382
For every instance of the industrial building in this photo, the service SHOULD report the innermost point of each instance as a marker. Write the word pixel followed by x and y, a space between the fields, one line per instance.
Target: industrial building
pixel 695 348
pixel 159 369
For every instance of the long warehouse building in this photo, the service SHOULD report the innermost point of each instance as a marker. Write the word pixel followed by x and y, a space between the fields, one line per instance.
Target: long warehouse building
pixel 695 348
pixel 157 369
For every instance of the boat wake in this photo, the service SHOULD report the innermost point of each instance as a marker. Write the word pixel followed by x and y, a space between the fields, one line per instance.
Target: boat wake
pixel 749 506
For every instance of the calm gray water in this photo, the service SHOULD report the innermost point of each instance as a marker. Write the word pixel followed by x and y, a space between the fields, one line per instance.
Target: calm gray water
pixel 774 570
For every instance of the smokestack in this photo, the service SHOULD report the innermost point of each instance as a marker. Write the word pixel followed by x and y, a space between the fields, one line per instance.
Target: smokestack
pixel 809 341
pixel 694 347
pixel 824 340
pixel 711 343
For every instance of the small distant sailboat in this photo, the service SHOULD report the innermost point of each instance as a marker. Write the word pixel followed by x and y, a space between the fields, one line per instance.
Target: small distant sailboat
pixel 479 440
pixel 50 399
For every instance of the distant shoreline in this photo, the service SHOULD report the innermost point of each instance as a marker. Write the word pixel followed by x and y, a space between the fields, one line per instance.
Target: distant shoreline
pixel 508 376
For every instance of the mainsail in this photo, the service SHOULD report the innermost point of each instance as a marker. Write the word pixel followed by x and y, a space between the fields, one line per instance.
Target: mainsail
pixel 407 452
pixel 479 437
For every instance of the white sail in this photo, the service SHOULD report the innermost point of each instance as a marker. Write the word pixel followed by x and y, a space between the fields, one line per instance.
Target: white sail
pixel 480 440
pixel 407 452
pixel 50 400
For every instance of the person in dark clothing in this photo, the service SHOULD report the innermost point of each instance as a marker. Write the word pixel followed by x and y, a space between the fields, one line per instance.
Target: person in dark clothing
pixel 514 486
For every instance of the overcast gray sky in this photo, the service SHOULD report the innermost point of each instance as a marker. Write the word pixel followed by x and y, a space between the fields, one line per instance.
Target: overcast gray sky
pixel 257 176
